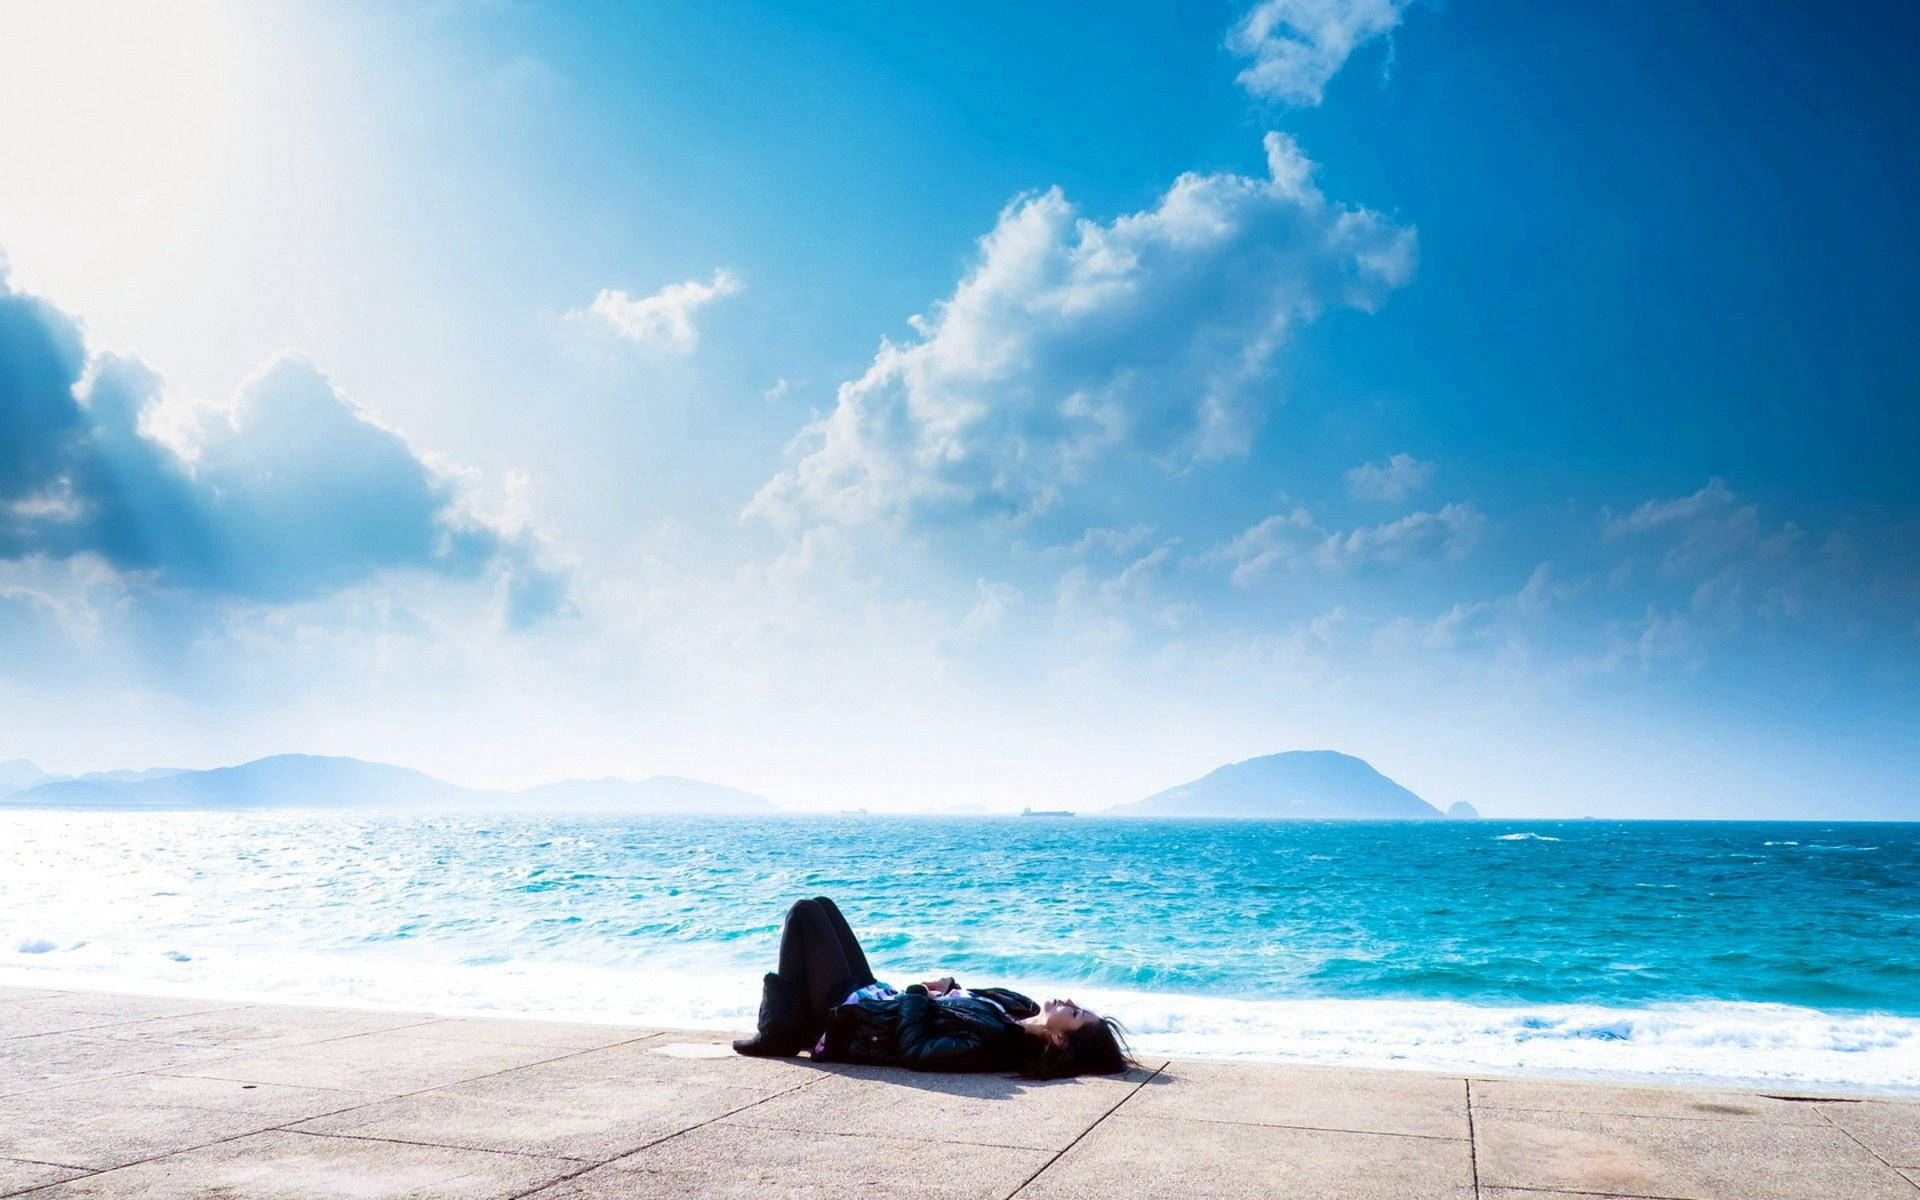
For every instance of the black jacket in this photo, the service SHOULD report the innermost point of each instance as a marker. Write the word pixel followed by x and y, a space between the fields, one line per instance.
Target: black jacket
pixel 977 1032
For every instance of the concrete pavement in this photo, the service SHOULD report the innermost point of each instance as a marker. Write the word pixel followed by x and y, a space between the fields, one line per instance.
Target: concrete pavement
pixel 129 1096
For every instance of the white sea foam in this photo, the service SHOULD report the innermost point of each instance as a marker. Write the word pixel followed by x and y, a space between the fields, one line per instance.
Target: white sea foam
pixel 1526 837
pixel 1756 1044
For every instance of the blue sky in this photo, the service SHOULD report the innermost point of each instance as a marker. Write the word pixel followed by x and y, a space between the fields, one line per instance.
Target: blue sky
pixel 922 409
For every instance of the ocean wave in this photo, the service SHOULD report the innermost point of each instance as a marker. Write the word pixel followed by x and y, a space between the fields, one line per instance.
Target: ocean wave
pixel 1769 1045
pixel 1526 837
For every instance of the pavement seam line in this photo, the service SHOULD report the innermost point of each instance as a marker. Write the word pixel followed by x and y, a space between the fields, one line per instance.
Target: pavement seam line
pixel 12 1037
pixel 1599 1195
pixel 397 1141
pixel 1473 1149
pixel 287 1126
pixel 41 1162
pixel 56 1183
pixel 1059 1154
pixel 594 1166
pixel 539 1062
pixel 890 1137
pixel 283 1127
pixel 1878 1157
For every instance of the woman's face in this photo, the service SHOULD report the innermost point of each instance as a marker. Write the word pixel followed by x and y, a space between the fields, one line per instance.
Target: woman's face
pixel 1064 1016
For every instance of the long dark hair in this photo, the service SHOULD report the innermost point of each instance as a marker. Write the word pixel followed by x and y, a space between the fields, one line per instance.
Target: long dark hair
pixel 1096 1048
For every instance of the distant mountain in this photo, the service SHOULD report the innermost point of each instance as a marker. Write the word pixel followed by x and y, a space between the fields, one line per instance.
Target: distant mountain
pixel 144 773
pixel 312 781
pixel 1305 784
pixel 283 781
pixel 1462 811
pixel 19 773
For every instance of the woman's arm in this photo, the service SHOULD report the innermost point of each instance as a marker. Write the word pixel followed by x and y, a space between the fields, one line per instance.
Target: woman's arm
pixel 922 1046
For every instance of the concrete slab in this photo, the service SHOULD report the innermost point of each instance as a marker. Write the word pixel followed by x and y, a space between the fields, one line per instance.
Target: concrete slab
pixel 1668 1156
pixel 82 1131
pixel 536 1033
pixel 1557 1095
pixel 1530 1194
pixel 1153 1157
pixel 722 1161
pixel 70 1012
pixel 388 1063
pixel 496 1107
pixel 255 1028
pixel 1888 1128
pixel 648 1110
pixel 1307 1097
pixel 275 1102
pixel 123 1007
pixel 298 1166
pixel 992 1110
pixel 51 1059
pixel 597 1080
pixel 50 1016
pixel 14 995
pixel 17 1176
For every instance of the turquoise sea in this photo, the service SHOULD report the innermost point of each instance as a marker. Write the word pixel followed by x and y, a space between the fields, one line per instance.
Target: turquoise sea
pixel 1725 950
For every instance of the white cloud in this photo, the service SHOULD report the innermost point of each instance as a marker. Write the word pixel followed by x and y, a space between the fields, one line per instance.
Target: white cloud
pixel 1100 540
pixel 1281 538
pixel 1709 527
pixel 1073 344
pixel 1488 626
pixel 1714 498
pixel 995 599
pixel 1388 482
pixel 1298 45
pixel 663 323
pixel 289 492
pixel 1295 540
pixel 1449 534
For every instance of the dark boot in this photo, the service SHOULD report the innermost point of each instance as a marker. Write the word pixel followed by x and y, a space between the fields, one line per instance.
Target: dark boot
pixel 783 1021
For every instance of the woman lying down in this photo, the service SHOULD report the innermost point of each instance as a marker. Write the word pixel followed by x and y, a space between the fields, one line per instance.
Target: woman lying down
pixel 825 1000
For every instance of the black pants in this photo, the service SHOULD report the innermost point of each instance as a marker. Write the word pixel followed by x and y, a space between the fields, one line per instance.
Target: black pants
pixel 819 953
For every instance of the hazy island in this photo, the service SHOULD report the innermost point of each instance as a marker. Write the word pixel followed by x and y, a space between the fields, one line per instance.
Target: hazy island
pixel 1299 784
pixel 314 781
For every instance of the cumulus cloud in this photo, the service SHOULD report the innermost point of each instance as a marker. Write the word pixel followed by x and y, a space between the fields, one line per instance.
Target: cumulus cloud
pixel 1708 527
pixel 1296 540
pixel 1282 538
pixel 1713 499
pixel 1484 625
pixel 1074 343
pixel 1449 533
pixel 663 323
pixel 291 491
pixel 1101 540
pixel 1297 46
pixel 1388 482
pixel 994 600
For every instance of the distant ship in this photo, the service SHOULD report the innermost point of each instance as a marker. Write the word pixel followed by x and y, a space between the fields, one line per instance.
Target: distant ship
pixel 1045 812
